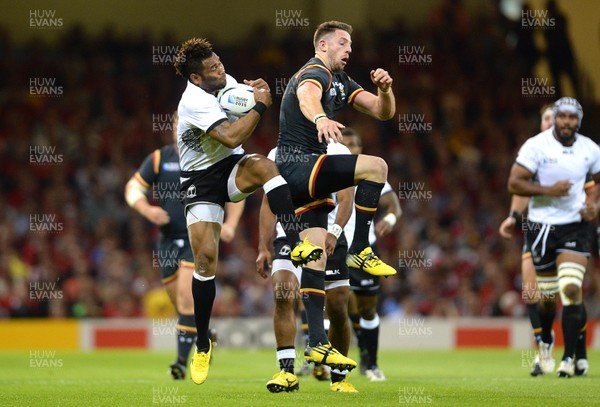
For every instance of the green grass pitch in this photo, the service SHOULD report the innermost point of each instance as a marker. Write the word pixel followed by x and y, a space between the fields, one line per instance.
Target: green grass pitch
pixel 238 377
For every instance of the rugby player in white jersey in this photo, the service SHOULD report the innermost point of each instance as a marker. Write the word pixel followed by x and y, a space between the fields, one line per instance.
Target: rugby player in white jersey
pixel 552 168
pixel 542 313
pixel 215 170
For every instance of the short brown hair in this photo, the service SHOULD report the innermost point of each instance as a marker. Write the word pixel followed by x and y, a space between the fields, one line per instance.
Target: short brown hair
pixel 328 27
pixel 190 56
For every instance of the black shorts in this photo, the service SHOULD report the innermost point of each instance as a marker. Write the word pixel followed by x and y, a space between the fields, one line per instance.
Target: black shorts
pixel 336 268
pixel 171 253
pixel 313 178
pixel 363 283
pixel 209 185
pixel 547 241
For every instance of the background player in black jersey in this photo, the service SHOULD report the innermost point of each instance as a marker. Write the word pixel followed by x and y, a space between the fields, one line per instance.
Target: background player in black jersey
pixel 312 98
pixel 159 172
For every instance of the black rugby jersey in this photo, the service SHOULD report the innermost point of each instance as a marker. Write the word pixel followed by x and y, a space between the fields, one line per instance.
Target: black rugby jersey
pixel 160 174
pixel 296 132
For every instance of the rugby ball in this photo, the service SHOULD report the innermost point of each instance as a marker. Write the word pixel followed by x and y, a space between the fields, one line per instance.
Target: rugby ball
pixel 237 99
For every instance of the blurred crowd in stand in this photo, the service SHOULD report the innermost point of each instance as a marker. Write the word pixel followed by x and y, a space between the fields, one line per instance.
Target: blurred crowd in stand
pixel 71 247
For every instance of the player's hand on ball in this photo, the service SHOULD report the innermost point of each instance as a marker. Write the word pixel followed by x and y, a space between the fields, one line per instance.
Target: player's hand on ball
pixel 258 83
pixel 262 92
pixel 329 130
pixel 382 79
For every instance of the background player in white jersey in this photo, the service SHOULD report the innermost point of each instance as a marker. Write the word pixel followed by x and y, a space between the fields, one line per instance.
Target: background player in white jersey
pixel 215 170
pixel 542 313
pixel 365 287
pixel 160 170
pixel 559 161
pixel 286 278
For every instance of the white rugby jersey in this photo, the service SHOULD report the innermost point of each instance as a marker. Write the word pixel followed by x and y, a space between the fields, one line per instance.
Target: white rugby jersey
pixel 550 161
pixel 198 111
pixel 332 149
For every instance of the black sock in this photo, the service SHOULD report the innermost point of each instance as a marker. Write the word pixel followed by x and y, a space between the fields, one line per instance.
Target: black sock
pixel 286 363
pixel 371 341
pixel 312 288
pixel 534 317
pixel 280 201
pixel 571 325
pixel 581 348
pixel 547 315
pixel 204 296
pixel 365 203
pixel 355 318
pixel 186 334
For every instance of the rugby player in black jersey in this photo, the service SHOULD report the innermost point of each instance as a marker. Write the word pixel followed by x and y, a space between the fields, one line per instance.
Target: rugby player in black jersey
pixel 313 96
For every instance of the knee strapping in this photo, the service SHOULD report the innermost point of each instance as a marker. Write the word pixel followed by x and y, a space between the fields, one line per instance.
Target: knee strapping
pixel 547 286
pixel 570 273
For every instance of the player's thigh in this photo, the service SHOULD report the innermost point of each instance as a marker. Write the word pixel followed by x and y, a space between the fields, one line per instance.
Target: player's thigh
pixel 204 239
pixel 332 173
pixel 253 171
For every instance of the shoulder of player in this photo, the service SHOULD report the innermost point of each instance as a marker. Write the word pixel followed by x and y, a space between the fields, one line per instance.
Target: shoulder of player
pixel 314 66
pixel 195 96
